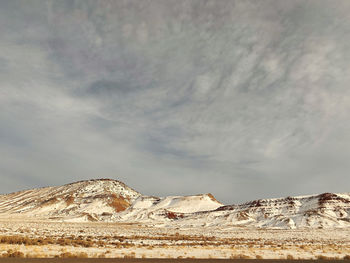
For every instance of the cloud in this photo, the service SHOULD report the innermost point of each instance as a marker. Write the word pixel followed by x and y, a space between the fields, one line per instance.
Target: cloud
pixel 179 97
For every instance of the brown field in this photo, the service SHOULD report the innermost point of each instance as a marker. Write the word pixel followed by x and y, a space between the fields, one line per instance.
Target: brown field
pixel 47 239
pixel 77 260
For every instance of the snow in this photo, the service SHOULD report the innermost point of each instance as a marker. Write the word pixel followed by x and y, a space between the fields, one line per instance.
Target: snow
pixel 77 199
pixel 180 204
pixel 201 242
pixel 304 227
pixel 91 200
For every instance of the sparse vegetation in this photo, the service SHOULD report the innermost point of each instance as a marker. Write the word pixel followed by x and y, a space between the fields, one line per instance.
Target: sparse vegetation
pixel 131 255
pixel 73 255
pixel 240 256
pixel 76 242
pixel 109 240
pixel 13 254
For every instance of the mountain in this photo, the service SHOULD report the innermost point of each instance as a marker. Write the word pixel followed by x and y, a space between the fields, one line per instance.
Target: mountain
pixel 326 210
pixel 113 201
pixel 90 200
pixel 154 209
pixel 314 211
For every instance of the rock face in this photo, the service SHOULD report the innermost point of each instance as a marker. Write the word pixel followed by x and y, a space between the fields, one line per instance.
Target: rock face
pixel 113 201
pixel 90 200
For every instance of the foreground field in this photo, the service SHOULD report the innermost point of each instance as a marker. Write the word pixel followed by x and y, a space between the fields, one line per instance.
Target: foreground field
pixel 42 239
pixel 109 260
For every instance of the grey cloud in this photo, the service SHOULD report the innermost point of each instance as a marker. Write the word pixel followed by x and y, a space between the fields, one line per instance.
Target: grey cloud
pixel 245 99
pixel 3 64
pixel 109 88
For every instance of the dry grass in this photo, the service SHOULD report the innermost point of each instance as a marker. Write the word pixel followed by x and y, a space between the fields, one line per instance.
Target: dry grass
pixel 13 254
pixel 240 256
pixel 175 237
pixel 76 242
pixel 323 257
pixel 73 255
pixel 148 243
pixel 19 240
pixel 131 255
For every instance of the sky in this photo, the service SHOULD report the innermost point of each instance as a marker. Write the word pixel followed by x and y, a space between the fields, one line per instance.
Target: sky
pixel 242 99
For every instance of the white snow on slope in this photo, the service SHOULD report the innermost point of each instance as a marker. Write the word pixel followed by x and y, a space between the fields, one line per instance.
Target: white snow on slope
pixel 84 200
pixel 112 201
pixel 149 208
pixel 315 211
pixel 180 204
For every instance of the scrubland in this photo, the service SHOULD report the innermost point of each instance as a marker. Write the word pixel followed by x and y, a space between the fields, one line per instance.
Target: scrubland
pixel 41 238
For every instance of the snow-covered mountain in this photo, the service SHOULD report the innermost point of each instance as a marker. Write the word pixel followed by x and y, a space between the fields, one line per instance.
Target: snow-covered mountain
pixel 158 210
pixel 314 211
pixel 112 201
pixel 82 201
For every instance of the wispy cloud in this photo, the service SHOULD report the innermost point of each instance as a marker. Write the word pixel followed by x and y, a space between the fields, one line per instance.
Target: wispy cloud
pixel 245 99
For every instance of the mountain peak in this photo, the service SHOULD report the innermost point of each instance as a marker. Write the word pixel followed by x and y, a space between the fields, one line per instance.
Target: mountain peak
pixel 110 200
pixel 213 198
pixel 95 198
pixel 100 181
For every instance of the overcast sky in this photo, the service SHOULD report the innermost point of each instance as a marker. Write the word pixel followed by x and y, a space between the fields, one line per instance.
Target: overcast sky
pixel 243 99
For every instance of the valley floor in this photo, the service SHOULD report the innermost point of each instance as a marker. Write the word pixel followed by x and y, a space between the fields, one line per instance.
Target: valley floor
pixel 109 260
pixel 20 237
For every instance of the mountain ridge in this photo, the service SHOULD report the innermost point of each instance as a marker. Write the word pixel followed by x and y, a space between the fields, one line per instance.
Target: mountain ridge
pixel 110 200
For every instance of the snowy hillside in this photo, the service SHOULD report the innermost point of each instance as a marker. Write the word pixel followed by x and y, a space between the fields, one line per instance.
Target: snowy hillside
pixel 155 209
pixel 112 201
pixel 315 211
pixel 82 201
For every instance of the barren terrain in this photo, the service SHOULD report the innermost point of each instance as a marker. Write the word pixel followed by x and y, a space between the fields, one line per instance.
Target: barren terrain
pixel 107 219
pixel 22 237
pixel 135 260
